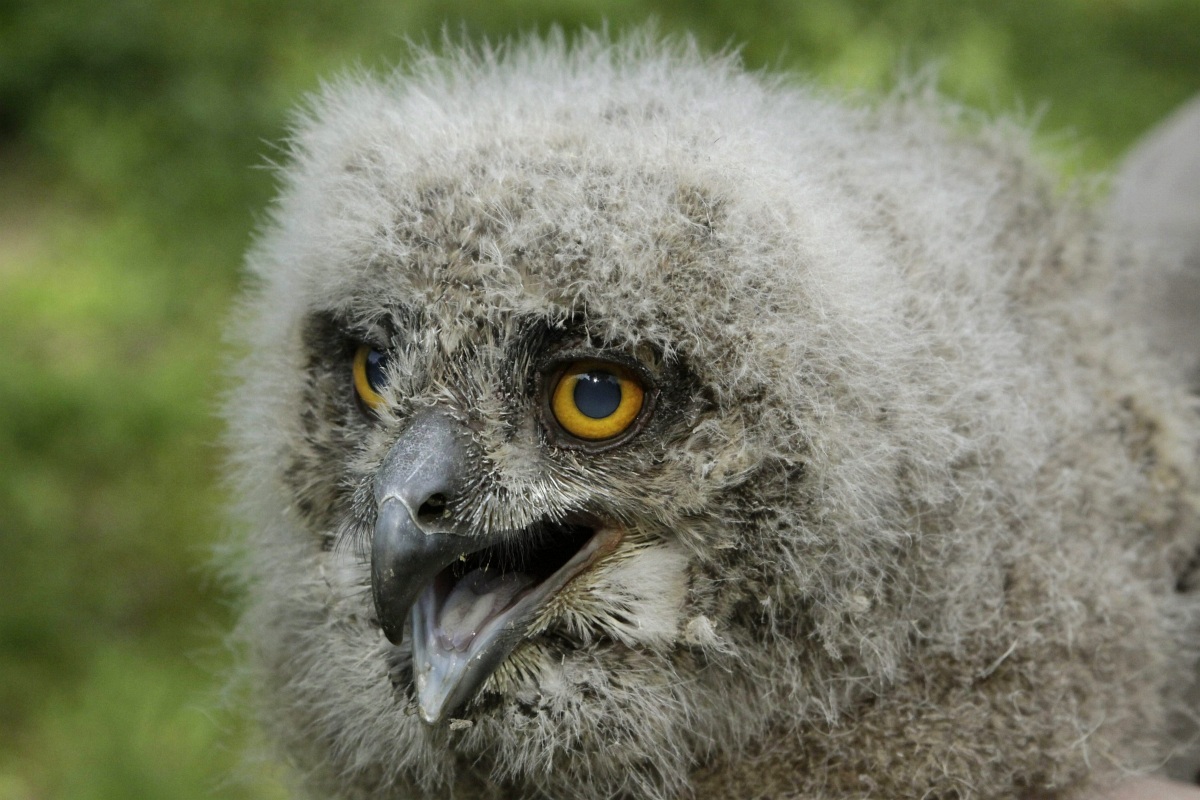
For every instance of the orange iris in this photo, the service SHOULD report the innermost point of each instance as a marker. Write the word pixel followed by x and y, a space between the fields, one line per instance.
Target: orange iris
pixel 595 400
pixel 369 364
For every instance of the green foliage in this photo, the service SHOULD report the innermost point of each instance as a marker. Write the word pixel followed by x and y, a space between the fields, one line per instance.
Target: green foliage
pixel 130 136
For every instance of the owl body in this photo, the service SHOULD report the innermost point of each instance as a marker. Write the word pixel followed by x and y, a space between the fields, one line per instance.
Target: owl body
pixel 906 507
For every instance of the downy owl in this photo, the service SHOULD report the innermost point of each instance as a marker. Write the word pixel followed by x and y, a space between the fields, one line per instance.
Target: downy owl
pixel 613 422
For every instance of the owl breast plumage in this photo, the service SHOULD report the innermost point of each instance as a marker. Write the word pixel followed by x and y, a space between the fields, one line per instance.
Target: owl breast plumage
pixel 613 422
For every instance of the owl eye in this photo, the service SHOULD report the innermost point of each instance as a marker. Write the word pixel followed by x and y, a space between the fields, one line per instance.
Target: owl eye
pixel 596 400
pixel 370 366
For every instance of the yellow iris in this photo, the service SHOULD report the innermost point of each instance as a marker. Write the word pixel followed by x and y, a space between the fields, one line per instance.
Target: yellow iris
pixel 596 400
pixel 368 374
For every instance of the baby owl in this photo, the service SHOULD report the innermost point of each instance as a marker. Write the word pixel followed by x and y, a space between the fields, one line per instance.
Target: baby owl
pixel 614 423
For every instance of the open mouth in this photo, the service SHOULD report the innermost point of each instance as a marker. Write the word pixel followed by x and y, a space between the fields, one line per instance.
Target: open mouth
pixel 470 596
pixel 480 606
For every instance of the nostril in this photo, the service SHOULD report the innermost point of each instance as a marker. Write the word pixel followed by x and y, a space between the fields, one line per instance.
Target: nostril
pixel 433 509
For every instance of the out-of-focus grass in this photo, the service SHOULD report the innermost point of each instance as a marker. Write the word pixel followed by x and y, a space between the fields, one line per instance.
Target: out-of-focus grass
pixel 129 135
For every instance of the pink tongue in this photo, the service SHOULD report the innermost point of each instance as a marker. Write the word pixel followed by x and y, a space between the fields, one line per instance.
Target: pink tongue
pixel 474 600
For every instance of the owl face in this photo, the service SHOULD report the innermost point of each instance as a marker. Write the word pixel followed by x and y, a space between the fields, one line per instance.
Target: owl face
pixel 488 479
pixel 511 496
pixel 573 427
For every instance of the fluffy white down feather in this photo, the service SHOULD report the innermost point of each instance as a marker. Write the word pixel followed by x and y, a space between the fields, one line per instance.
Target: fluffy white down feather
pixel 918 519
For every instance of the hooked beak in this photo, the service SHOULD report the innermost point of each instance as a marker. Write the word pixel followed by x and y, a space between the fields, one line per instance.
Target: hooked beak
pixel 414 539
pixel 471 595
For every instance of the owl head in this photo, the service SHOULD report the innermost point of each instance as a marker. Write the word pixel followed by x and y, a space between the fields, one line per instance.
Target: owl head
pixel 608 414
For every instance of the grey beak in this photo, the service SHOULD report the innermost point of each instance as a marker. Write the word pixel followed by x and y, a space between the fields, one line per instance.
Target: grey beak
pixel 414 535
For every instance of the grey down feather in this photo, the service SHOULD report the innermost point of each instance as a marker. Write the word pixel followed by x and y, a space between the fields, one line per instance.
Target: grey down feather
pixel 914 513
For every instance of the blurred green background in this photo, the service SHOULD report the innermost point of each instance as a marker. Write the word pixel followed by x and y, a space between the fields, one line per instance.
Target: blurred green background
pixel 132 133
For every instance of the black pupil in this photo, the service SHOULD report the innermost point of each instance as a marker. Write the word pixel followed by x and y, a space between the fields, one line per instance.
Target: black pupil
pixel 376 364
pixel 597 394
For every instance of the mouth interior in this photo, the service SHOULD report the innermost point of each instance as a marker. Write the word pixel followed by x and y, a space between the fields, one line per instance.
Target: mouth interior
pixel 479 608
pixel 552 547
pixel 481 586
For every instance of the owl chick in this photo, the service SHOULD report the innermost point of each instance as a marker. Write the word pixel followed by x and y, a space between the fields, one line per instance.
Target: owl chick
pixel 615 423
